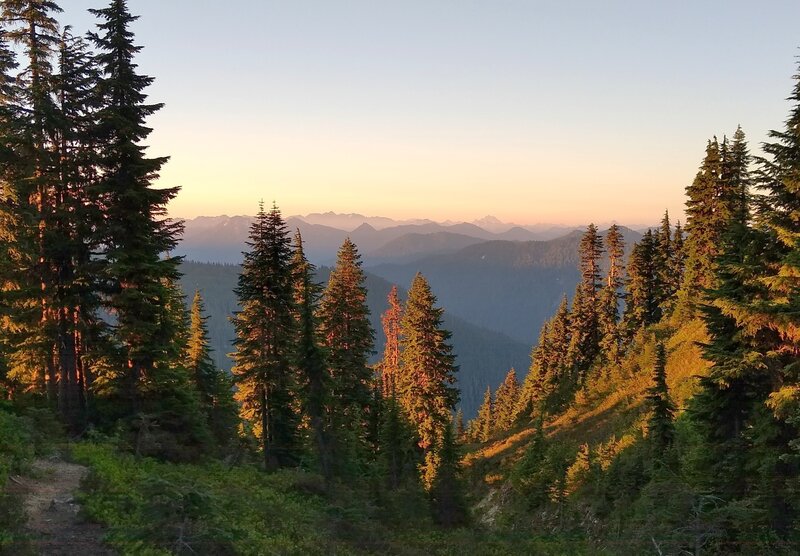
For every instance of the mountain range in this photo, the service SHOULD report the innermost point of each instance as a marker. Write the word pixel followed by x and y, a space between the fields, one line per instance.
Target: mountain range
pixel 222 238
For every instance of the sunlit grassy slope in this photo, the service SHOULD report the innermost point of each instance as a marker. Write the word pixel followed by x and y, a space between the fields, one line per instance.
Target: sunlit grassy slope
pixel 610 411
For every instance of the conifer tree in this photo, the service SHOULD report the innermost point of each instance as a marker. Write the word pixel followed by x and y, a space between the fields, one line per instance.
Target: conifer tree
pixel 506 399
pixel 660 425
pixel 665 260
pixel 734 388
pixel 678 263
pixel 76 214
pixel 585 334
pixel 533 391
pixel 135 233
pixel 484 423
pixel 447 491
pixel 309 357
pixel 427 387
pixel 608 309
pixel 390 365
pixel 703 226
pixel 33 27
pixel 213 385
pixel 265 340
pixel 397 444
pixel 753 324
pixel 643 286
pixel 348 338
pixel 458 421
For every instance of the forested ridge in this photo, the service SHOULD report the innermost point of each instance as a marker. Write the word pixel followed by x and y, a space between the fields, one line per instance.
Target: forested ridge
pixel 659 414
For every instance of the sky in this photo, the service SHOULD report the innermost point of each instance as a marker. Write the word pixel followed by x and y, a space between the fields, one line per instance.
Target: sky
pixel 531 111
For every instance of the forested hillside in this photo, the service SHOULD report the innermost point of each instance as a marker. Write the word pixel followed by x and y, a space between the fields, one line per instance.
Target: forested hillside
pixel 484 356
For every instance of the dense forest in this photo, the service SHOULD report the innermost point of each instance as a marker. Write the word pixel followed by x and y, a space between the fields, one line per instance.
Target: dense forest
pixel 659 414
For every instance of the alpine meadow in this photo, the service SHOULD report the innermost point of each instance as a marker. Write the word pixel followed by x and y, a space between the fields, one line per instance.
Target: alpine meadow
pixel 427 381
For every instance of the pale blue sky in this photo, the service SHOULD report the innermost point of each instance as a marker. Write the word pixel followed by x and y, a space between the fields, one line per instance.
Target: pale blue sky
pixel 530 111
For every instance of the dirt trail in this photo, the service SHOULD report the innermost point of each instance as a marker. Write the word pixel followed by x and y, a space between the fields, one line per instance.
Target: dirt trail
pixel 54 526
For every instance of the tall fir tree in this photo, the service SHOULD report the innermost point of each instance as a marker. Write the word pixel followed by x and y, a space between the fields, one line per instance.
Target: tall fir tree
pixel 213 385
pixel 703 228
pixel 265 340
pixel 608 307
pixel 506 399
pixel 427 383
pixel 33 27
pixel 135 232
pixel 348 338
pixel 447 490
pixel 484 422
pixel 585 334
pixel 390 364
pixel 644 286
pixel 310 357
pixel 660 426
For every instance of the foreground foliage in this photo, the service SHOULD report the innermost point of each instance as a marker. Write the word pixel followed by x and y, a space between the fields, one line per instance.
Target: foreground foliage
pixel 152 507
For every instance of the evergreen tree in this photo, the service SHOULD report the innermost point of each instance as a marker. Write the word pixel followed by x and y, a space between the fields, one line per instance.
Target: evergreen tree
pixel 348 338
pixel 426 388
pixel 660 425
pixel 585 334
pixel 678 263
pixel 135 233
pixel 665 260
pixel 397 444
pixel 390 365
pixel 644 286
pixel 506 399
pixel 458 421
pixel 608 309
pixel 309 357
pixel 265 340
pixel 704 212
pixel 33 27
pixel 735 387
pixel 213 385
pixel 447 491
pixel 484 424
pixel 533 392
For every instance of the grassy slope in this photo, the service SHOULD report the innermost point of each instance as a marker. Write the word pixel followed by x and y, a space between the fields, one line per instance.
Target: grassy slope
pixel 610 413
pixel 159 508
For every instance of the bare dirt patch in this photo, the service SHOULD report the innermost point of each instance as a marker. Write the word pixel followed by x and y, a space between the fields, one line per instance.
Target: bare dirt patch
pixel 54 526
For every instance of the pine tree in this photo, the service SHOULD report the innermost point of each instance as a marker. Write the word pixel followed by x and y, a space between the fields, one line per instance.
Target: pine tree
pixel 484 424
pixel 426 387
pixel 348 338
pixel 135 233
pixel 533 392
pixel 265 340
pixel 213 385
pixel 665 259
pixel 458 421
pixel 644 287
pixel 585 334
pixel 660 425
pixel 390 365
pixel 608 308
pixel 309 357
pixel 506 399
pixel 678 263
pixel 703 226
pixel 447 491
pixel 397 444
pixel 734 388
pixel 36 31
